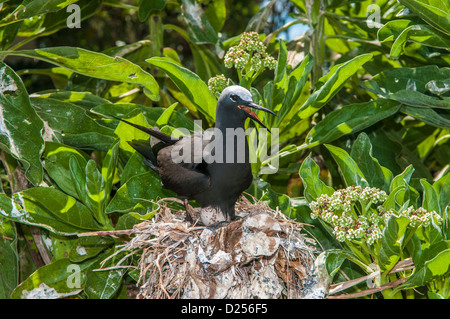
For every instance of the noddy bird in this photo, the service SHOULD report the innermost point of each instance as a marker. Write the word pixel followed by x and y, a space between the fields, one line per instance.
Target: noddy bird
pixel 212 177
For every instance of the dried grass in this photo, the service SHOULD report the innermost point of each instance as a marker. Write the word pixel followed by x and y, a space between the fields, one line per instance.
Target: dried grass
pixel 263 254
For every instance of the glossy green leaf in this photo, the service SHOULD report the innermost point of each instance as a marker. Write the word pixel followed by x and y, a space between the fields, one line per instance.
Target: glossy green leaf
pixel 190 84
pixel 426 115
pixel 434 268
pixel 86 100
pixel 200 30
pixel 314 187
pixel 350 171
pixel 146 6
pixel 20 127
pixel 109 167
pixel 95 188
pixel 69 123
pixel 94 64
pixel 350 119
pixel 434 12
pixel 104 284
pixel 137 193
pixel 391 241
pixel 53 21
pixel 332 83
pixel 164 118
pixel 127 133
pixel 9 258
pixel 408 85
pixel 50 209
pixel 438 87
pixel 217 14
pixel 61 278
pixel 31 8
pixel 421 34
pixel 88 247
pixel 442 188
pixel 406 193
pixel 430 200
pixel 57 158
pixel 375 174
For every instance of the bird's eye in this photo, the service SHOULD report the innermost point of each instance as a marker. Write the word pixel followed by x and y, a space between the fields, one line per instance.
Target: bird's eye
pixel 234 98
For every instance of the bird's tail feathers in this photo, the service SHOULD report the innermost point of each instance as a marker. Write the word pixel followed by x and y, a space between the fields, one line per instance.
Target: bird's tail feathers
pixel 144 148
pixel 152 132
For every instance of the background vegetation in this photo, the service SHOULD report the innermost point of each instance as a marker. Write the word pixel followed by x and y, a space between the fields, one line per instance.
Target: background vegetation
pixel 362 90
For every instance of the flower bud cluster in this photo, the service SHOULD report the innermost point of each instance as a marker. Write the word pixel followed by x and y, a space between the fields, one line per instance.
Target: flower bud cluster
pixel 338 211
pixel 420 217
pixel 217 84
pixel 250 48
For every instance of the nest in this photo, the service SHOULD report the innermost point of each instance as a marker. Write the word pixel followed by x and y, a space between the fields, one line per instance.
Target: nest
pixel 263 254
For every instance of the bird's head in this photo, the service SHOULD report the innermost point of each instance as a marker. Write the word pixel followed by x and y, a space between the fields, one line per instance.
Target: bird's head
pixel 236 102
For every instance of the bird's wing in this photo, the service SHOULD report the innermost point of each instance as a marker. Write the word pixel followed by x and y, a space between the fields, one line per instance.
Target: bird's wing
pixel 185 179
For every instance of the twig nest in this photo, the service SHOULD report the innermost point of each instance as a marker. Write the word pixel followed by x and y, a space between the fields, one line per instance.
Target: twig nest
pixel 263 254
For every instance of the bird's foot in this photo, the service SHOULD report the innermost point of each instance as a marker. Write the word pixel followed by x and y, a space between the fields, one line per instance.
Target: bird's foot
pixel 190 213
pixel 218 225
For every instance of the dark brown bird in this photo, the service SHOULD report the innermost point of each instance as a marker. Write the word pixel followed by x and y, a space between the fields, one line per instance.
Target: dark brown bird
pixel 211 167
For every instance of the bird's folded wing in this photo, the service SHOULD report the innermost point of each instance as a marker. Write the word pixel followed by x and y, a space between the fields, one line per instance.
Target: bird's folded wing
pixel 185 178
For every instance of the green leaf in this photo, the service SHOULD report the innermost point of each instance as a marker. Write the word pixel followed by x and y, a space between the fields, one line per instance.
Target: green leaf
pixel 89 247
pixel 86 100
pixel 69 123
pixel 9 258
pixel 164 118
pixel 55 280
pixel 146 6
pixel 434 12
pixel 391 241
pixel 137 193
pixel 409 85
pixel 127 133
pixel 20 127
pixel 95 188
pixel 426 115
pixel 190 84
pixel 430 197
pixel 134 166
pixel 109 167
pixel 421 34
pixel 350 119
pixel 350 171
pixel 57 159
pixel 217 14
pixel 32 8
pixel 437 267
pixel 50 209
pixel 200 29
pixel 104 284
pixel 96 65
pixel 442 188
pixel 332 83
pixel 314 187
pixel 376 175
pixel 400 185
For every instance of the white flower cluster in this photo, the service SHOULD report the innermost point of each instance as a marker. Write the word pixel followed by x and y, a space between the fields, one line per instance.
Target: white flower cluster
pixel 338 211
pixel 420 217
pixel 250 48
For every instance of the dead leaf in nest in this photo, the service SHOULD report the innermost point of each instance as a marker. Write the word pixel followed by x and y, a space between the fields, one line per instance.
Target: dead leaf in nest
pixel 263 254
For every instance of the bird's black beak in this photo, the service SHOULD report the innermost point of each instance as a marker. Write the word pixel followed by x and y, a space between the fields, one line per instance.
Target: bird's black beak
pixel 246 108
